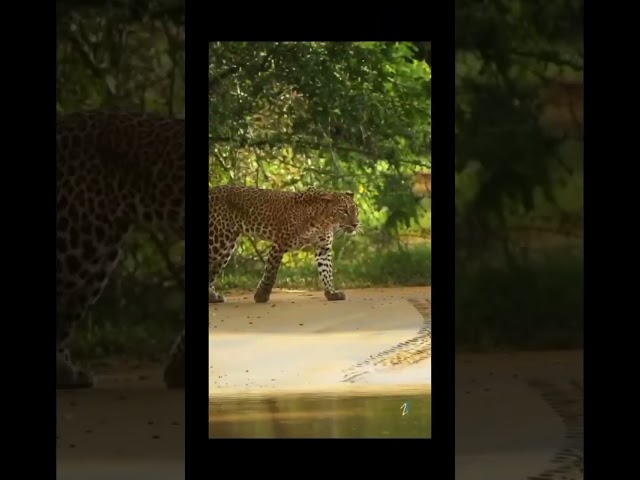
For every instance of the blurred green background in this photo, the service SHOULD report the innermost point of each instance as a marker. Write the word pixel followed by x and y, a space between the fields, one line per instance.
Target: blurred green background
pixel 519 174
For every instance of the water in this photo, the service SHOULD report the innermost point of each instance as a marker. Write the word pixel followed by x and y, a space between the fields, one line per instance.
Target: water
pixel 321 416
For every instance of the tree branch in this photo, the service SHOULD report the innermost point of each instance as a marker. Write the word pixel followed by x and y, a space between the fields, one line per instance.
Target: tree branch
pixel 216 80
pixel 83 51
pixel 550 56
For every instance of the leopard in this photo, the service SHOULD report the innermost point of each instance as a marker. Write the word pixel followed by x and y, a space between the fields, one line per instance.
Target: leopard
pixel 288 220
pixel 115 171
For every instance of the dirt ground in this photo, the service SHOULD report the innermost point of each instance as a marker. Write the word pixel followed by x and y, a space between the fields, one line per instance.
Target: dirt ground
pixel 299 341
pixel 129 426
pixel 517 415
pixel 245 296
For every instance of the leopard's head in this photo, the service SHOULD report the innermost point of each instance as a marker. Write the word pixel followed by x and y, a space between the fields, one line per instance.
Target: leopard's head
pixel 342 212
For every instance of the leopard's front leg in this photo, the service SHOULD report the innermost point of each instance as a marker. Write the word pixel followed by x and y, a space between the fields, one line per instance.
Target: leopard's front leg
pixel 174 372
pixel 69 375
pixel 324 260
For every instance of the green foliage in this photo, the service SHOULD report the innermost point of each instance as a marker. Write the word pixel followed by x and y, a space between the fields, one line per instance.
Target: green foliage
pixel 506 58
pixel 358 265
pixel 129 56
pixel 540 306
pixel 346 116
pixel 519 163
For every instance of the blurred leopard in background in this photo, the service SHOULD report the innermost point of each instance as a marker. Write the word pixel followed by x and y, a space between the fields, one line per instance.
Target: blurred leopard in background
pixel 114 171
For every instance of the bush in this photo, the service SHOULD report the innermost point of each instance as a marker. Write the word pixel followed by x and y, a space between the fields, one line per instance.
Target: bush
pixel 359 266
pixel 539 305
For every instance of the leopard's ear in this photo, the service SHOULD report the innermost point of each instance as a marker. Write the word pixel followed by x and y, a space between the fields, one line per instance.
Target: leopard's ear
pixel 326 196
pixel 319 194
pixel 349 194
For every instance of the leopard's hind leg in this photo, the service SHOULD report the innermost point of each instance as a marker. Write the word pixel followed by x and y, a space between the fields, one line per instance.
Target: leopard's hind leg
pixel 221 247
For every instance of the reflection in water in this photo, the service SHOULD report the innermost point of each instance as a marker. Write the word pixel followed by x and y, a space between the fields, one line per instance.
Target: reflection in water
pixel 313 416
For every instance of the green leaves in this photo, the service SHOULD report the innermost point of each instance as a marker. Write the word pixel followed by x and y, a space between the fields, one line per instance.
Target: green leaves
pixel 293 115
pixel 104 63
pixel 509 56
